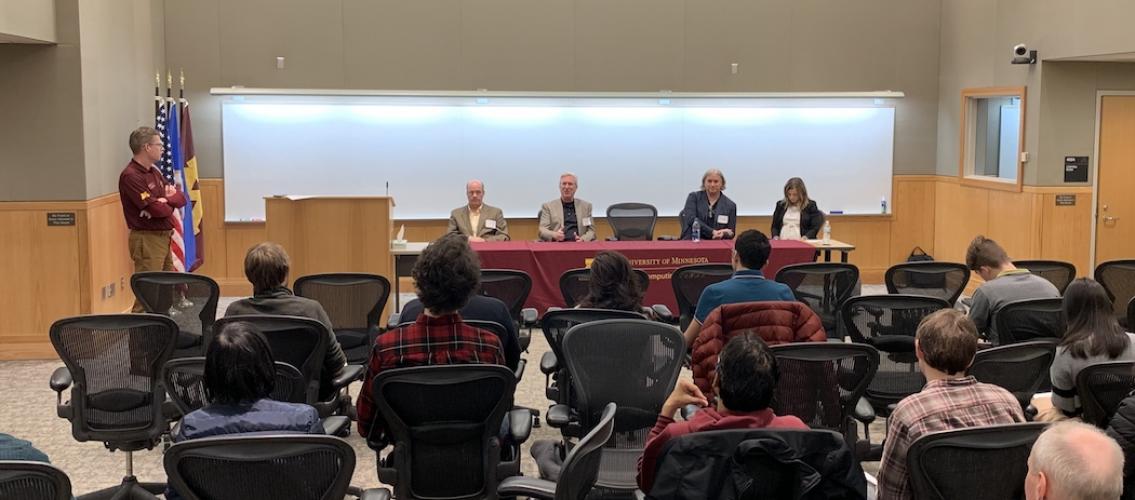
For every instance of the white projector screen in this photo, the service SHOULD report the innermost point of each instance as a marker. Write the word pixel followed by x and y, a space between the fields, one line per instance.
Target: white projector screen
pixel 644 149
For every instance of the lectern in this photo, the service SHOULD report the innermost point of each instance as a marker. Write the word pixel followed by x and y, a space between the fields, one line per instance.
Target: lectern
pixel 329 234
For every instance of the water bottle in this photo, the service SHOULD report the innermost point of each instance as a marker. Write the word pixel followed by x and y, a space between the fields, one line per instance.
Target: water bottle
pixel 883 203
pixel 695 230
pixel 827 232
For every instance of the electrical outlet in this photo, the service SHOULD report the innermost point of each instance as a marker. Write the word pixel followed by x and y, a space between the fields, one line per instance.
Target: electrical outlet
pixel 111 285
pixel 106 292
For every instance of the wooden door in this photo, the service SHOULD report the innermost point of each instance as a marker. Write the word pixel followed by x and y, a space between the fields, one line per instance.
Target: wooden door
pixel 1115 203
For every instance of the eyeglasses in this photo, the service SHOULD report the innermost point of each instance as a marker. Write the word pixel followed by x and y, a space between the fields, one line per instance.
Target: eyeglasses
pixel 158 144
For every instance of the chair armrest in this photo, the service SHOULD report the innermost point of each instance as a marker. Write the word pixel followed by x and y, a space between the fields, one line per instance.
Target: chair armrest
pixel 519 424
pixel 519 373
pixel 548 363
pixel 558 415
pixel 612 238
pixel 336 425
pixel 350 374
pixel 528 316
pixel 663 314
pixel 553 308
pixel 863 411
pixel 370 493
pixel 520 486
pixel 60 379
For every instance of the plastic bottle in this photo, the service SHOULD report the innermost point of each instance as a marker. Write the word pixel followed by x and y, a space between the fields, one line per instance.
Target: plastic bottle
pixel 883 204
pixel 827 232
pixel 695 231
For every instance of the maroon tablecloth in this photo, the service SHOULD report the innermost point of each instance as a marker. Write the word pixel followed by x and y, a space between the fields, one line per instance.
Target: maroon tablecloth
pixel 546 261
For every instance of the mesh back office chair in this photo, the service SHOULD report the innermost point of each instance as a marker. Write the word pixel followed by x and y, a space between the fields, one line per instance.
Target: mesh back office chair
pixel 821 383
pixel 294 466
pixel 1025 320
pixel 354 302
pixel 512 288
pixel 945 280
pixel 1118 278
pixel 113 368
pixel 190 299
pixel 688 283
pixel 976 463
pixel 574 284
pixel 1020 368
pixel 579 472
pixel 632 363
pixel 444 422
pixel 1059 273
pixel 632 221
pixel 1101 387
pixel 25 480
pixel 824 286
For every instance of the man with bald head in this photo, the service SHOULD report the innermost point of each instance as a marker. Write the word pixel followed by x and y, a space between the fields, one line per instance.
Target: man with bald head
pixel 478 221
pixel 1074 461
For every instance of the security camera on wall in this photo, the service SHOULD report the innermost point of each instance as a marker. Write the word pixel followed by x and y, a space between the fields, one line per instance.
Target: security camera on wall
pixel 1022 54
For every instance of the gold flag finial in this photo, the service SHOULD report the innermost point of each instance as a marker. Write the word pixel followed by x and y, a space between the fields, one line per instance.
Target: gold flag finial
pixel 169 79
pixel 182 77
pixel 157 78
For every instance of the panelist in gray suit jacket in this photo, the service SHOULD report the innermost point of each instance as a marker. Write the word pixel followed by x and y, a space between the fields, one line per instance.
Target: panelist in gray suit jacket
pixel 478 221
pixel 567 218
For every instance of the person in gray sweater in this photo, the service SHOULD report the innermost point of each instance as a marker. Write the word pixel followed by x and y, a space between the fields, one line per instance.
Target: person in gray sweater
pixel 1004 283
pixel 266 266
pixel 1093 336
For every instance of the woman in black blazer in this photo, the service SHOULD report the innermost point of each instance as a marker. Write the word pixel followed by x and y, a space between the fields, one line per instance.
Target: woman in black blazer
pixel 796 216
pixel 716 212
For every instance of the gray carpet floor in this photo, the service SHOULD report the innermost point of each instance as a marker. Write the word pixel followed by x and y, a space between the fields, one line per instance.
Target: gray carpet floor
pixel 28 411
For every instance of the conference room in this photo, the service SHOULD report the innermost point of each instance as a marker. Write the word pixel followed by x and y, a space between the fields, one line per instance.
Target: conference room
pixel 833 173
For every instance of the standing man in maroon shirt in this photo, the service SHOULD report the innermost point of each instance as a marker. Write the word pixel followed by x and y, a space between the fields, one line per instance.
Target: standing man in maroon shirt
pixel 147 204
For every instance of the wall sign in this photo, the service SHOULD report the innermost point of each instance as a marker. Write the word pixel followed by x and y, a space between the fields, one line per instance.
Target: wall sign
pixel 1075 169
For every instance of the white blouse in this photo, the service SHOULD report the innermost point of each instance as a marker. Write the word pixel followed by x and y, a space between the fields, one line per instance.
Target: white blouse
pixel 790 230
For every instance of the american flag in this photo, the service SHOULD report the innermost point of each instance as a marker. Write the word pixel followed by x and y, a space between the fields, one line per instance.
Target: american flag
pixel 169 133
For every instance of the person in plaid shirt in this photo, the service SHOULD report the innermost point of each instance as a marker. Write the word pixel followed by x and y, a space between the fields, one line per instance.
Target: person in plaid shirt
pixel 945 344
pixel 446 274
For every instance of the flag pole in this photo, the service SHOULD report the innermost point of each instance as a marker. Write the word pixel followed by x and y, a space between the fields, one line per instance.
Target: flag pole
pixel 181 92
pixel 157 91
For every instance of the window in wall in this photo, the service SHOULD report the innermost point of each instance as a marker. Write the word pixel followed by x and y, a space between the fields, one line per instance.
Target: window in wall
pixel 993 128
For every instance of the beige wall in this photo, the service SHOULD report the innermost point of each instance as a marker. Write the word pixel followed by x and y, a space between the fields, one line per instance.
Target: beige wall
pixel 27 20
pixel 575 45
pixel 976 41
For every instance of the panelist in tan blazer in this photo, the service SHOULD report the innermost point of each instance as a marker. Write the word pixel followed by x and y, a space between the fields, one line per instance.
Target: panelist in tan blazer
pixel 567 218
pixel 488 221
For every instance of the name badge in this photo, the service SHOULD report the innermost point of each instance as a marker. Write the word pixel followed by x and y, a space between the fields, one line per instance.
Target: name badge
pixel 722 219
pixel 587 221
pixel 491 223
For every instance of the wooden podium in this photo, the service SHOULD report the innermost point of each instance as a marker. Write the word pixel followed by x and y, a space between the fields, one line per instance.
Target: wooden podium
pixel 333 234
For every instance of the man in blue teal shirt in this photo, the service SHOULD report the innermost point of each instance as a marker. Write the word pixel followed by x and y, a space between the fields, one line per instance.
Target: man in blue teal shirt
pixel 750 253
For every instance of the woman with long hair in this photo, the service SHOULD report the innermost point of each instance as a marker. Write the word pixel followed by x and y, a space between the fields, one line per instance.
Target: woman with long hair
pixel 1093 336
pixel 716 213
pixel 615 285
pixel 796 217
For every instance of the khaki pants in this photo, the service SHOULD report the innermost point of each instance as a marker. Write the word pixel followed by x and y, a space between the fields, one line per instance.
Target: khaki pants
pixel 150 252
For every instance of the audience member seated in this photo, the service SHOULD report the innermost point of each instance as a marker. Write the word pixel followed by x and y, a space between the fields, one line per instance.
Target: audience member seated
pixel 14 448
pixel 447 274
pixel 1093 336
pixel 1122 430
pixel 750 253
pixel 945 344
pixel 266 266
pixel 614 285
pixel 480 308
pixel 1004 283
pixel 746 378
pixel 1074 461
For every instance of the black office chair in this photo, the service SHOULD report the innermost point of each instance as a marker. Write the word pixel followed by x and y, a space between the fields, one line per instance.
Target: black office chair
pixel 512 288
pixel 1058 272
pixel 1020 368
pixel 977 463
pixel 113 368
pixel 293 466
pixel 1118 278
pixel 945 280
pixel 820 383
pixel 1101 387
pixel 302 343
pixel 190 299
pixel 1025 320
pixel 354 302
pixel 824 286
pixel 445 423
pixel 632 221
pixel 579 472
pixel 633 363
pixel 574 284
pixel 688 283
pixel 777 464
pixel 23 480
pixel 1131 311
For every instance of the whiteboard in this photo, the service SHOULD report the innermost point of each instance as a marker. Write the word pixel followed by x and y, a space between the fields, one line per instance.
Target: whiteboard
pixel 651 150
